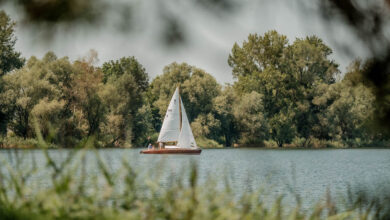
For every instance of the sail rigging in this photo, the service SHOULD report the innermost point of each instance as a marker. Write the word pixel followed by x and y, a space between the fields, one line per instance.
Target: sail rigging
pixel 170 129
pixel 186 138
pixel 176 127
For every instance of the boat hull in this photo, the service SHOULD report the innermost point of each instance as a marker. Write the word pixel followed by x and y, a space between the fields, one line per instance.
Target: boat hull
pixel 172 151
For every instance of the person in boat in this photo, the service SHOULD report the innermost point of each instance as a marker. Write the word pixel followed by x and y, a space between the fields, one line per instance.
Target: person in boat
pixel 160 145
pixel 150 146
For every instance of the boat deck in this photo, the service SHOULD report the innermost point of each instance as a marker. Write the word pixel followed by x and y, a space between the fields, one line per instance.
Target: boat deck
pixel 171 151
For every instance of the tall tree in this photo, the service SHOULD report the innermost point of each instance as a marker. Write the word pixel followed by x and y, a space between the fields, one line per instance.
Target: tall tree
pixel 286 75
pixel 126 65
pixel 224 112
pixel 30 91
pixel 347 111
pixel 251 122
pixel 257 53
pixel 85 87
pixel 128 81
pixel 9 59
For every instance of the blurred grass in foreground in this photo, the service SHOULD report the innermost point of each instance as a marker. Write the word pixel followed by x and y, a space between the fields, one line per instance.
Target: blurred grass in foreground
pixel 73 193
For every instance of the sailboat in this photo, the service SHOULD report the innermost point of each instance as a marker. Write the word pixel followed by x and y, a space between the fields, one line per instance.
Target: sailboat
pixel 175 135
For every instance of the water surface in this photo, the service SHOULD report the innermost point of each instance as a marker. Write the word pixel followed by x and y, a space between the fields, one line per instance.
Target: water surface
pixel 308 173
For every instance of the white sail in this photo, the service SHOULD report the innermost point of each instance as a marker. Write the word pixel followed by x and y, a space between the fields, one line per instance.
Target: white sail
pixel 170 129
pixel 186 138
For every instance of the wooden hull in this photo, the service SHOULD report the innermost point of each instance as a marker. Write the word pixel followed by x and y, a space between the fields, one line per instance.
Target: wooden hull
pixel 172 151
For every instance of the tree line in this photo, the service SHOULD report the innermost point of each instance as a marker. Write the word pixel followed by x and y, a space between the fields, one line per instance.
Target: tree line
pixel 284 95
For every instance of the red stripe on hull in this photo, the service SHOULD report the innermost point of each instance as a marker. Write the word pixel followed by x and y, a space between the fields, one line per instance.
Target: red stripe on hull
pixel 172 151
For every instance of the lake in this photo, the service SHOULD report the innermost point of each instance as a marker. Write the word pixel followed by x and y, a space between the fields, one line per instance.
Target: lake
pixel 308 173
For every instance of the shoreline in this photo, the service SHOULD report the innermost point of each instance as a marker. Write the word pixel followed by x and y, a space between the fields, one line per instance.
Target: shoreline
pixel 28 147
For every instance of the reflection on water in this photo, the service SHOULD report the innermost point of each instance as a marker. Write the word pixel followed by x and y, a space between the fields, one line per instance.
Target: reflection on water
pixel 307 173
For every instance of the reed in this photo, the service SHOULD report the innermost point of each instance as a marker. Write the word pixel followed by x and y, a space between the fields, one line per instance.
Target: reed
pixel 72 193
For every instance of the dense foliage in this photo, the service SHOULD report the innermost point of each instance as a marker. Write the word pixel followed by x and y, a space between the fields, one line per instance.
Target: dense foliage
pixel 76 100
pixel 9 58
pixel 301 99
pixel 285 94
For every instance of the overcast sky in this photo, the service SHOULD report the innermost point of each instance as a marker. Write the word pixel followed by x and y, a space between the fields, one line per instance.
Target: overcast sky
pixel 209 35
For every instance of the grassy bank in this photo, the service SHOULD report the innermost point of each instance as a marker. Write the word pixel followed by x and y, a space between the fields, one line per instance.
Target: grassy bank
pixel 17 142
pixel 298 143
pixel 314 143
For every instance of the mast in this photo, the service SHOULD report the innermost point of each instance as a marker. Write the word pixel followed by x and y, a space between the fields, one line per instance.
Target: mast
pixel 180 113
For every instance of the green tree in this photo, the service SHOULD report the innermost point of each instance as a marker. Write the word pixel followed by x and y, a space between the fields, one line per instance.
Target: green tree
pixel 347 111
pixel 258 53
pixel 251 122
pixel 87 103
pixel 282 127
pixel 198 93
pixel 143 126
pixel 307 60
pixel 9 60
pixel 206 126
pixel 309 65
pixel 224 112
pixel 287 77
pixel 72 101
pixel 126 65
pixel 127 84
pixel 30 90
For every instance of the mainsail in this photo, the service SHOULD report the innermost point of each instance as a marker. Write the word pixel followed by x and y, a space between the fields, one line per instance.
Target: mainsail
pixel 170 129
pixel 186 138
